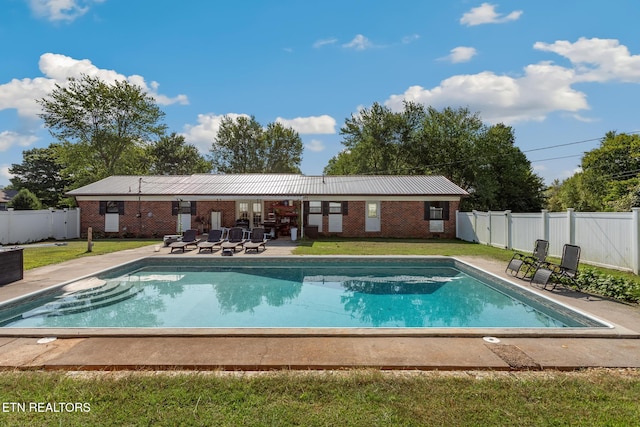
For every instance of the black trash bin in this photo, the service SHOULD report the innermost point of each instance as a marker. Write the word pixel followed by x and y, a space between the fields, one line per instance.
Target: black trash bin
pixel 311 231
pixel 11 265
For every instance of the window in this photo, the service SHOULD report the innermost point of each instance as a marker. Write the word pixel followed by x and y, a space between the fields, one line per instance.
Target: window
pixel 112 207
pixel 335 207
pixel 315 207
pixel 185 207
pixel 243 210
pixel 257 213
pixel 435 213
pixel 436 210
pixel 372 210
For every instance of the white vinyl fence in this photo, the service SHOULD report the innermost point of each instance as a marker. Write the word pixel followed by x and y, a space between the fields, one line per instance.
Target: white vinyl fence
pixel 607 239
pixel 18 227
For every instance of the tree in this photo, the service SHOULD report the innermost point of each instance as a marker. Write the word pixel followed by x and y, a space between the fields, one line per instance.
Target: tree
pixel 243 146
pixel 171 155
pixel 609 179
pixel 454 143
pixel 25 200
pixel 41 172
pixel 102 126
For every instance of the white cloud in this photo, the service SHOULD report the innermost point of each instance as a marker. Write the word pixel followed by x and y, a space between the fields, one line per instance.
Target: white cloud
pixel 4 172
pixel 597 60
pixel 61 10
pixel 204 133
pixel 543 88
pixel 461 54
pixel 359 42
pixel 9 138
pixel 324 42
pixel 315 145
pixel 486 14
pixel 21 95
pixel 410 39
pixel 310 125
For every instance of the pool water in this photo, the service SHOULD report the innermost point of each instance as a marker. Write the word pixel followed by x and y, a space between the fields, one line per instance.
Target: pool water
pixel 290 293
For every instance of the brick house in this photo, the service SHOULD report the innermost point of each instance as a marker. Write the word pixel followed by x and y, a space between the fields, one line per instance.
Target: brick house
pixel 351 206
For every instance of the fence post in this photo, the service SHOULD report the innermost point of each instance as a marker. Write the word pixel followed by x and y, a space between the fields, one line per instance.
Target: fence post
pixel 10 227
pixel 571 226
pixel 507 230
pixel 635 240
pixel 545 224
pixel 51 221
pixel 475 226
pixel 489 228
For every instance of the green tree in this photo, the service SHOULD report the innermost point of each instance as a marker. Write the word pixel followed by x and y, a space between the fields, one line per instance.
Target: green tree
pixel 503 177
pixel 452 142
pixel 103 127
pixel 42 173
pixel 609 179
pixel 171 155
pixel 25 200
pixel 243 146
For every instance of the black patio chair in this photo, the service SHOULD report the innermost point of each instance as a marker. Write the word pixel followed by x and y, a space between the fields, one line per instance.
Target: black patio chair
pixel 525 263
pixel 568 268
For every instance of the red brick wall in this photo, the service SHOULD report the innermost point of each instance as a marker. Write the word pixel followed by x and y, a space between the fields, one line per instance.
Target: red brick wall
pixel 398 219
pixel 403 219
pixel 155 219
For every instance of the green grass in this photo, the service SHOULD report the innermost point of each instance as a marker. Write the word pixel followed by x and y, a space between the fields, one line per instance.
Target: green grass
pixel 39 256
pixel 337 246
pixel 346 398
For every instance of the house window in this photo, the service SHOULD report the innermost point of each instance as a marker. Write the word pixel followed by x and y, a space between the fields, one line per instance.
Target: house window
pixel 315 207
pixel 112 207
pixel 372 210
pixel 257 213
pixel 436 211
pixel 335 207
pixel 243 210
pixel 185 207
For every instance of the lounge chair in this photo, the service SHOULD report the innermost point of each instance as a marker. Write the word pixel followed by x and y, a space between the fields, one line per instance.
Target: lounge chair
pixel 214 240
pixel 525 263
pixel 188 238
pixel 568 268
pixel 234 240
pixel 258 239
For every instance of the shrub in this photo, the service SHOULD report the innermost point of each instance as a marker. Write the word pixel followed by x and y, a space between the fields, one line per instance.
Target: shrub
pixel 607 285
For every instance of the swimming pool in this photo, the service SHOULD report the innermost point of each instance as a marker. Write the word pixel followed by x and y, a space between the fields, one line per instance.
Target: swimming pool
pixel 291 292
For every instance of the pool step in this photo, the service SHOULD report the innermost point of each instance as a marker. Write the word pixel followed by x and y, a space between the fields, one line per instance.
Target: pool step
pixel 81 301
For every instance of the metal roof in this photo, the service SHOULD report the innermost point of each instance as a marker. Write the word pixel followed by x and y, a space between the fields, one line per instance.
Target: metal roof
pixel 272 185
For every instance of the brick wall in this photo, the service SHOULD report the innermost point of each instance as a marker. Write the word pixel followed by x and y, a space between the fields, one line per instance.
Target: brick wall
pixel 155 218
pixel 402 219
pixel 398 219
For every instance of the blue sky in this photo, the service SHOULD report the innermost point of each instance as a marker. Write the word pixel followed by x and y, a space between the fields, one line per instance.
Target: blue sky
pixel 561 73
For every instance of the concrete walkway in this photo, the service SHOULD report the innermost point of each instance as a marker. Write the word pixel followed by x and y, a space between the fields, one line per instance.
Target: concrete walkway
pixel 272 350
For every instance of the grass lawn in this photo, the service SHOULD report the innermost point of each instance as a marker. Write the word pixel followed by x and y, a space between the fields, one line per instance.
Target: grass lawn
pixel 38 256
pixel 345 398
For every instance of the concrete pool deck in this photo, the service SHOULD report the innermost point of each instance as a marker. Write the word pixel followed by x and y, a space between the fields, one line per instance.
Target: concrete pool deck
pixel 617 348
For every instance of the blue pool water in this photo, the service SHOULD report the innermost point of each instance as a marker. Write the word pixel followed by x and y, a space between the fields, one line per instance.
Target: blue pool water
pixel 291 293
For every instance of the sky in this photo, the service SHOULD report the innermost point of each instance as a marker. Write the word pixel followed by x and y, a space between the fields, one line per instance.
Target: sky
pixel 561 73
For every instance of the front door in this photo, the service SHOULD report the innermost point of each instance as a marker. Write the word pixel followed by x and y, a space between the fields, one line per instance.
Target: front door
pixel 372 217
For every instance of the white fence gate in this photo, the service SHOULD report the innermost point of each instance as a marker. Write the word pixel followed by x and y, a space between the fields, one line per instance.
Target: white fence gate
pixel 607 239
pixel 17 227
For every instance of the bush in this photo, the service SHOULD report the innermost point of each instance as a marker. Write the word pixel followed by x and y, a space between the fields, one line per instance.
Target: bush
pixel 25 200
pixel 607 285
